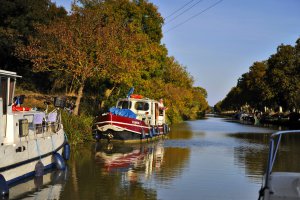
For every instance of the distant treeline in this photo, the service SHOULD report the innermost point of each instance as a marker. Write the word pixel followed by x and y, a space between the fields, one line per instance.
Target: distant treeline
pixel 95 53
pixel 272 83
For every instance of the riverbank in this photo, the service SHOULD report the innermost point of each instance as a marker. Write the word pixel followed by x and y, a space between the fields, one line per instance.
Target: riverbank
pixel 286 120
pixel 78 128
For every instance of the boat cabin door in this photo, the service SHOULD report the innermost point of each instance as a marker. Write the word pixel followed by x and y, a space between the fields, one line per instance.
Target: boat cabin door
pixel 7 86
pixel 3 107
pixel 159 115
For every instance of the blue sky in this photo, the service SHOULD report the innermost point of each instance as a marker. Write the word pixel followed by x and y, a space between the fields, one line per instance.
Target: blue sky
pixel 219 45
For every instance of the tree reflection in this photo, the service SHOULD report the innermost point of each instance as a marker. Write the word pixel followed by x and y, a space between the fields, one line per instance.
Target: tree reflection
pixel 251 154
pixel 123 171
pixel 254 149
pixel 181 131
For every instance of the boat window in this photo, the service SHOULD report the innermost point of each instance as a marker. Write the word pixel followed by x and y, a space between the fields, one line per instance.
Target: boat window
pixel 3 93
pixel 161 112
pixel 124 104
pixel 140 105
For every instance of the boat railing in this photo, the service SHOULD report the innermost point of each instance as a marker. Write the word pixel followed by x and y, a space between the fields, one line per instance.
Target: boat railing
pixel 275 139
pixel 41 123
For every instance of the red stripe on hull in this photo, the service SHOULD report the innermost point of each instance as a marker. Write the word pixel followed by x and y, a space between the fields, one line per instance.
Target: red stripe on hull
pixel 124 127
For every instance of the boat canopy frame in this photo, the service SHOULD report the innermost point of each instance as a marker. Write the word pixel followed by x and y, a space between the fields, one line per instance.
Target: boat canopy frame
pixel 275 139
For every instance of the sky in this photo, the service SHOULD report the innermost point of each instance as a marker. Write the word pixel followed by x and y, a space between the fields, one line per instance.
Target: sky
pixel 218 40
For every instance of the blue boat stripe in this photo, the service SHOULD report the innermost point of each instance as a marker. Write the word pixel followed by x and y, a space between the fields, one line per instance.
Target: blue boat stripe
pixel 30 160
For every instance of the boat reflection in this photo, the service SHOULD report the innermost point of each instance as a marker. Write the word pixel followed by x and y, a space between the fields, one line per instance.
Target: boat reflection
pixel 130 158
pixel 48 186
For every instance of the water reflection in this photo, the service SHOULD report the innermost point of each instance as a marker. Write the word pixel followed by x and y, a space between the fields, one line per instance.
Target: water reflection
pixel 48 186
pixel 142 162
pixel 207 159
pixel 181 131
pixel 289 154
pixel 130 158
pixel 251 154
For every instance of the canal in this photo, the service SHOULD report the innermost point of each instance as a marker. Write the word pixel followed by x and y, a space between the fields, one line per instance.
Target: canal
pixel 209 159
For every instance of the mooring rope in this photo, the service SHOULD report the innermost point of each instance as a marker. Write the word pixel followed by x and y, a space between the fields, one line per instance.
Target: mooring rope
pixel 38 149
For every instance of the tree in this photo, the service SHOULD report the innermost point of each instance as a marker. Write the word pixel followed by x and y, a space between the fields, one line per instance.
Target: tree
pixel 275 82
pixel 138 13
pixel 283 77
pixel 70 46
pixel 17 21
pixel 253 86
pixel 89 43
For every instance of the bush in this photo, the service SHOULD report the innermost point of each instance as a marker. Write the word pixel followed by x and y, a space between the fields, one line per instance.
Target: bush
pixel 77 128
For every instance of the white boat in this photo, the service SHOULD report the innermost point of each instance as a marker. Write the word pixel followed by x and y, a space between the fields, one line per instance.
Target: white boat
pixel 31 140
pixel 134 118
pixel 279 185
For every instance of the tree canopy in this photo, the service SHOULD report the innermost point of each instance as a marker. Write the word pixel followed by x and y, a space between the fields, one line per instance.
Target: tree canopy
pixel 104 47
pixel 271 83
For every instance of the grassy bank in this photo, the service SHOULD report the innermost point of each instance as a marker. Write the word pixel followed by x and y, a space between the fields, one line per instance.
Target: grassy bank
pixel 77 128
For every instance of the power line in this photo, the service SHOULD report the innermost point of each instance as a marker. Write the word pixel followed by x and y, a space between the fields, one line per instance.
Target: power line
pixel 206 9
pixel 172 19
pixel 179 9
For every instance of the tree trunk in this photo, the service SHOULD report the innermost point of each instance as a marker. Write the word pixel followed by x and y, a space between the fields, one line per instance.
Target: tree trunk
pixel 107 94
pixel 79 96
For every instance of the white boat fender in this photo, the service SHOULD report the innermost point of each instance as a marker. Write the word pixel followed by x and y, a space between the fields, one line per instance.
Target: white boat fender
pixel 38 182
pixel 151 132
pixel 97 136
pixel 59 161
pixel 142 134
pixel 157 130
pixel 39 169
pixel 67 151
pixel 3 187
pixel 165 128
pixel 59 176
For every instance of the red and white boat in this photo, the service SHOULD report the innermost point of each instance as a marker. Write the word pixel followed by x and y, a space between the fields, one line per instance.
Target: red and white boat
pixel 133 118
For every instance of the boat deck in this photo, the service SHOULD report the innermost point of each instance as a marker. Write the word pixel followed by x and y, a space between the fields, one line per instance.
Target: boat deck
pixel 285 185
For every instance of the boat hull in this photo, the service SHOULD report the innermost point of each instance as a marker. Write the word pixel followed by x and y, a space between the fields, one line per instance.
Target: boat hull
pixel 114 127
pixel 16 165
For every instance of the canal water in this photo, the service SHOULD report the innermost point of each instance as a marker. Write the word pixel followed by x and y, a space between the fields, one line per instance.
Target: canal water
pixel 210 159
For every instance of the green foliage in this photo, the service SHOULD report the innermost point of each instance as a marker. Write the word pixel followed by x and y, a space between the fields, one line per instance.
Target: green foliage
pixel 272 83
pixel 77 128
pixel 95 54
pixel 17 21
pixel 140 15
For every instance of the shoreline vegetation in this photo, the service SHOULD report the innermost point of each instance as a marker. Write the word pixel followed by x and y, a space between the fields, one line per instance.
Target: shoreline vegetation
pixel 270 90
pixel 93 55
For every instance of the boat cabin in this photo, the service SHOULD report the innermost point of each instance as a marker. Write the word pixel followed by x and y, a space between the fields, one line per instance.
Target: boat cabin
pixel 19 123
pixel 147 110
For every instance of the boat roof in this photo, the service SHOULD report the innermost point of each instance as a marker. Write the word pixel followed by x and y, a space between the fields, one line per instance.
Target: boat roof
pixel 9 74
pixel 138 99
